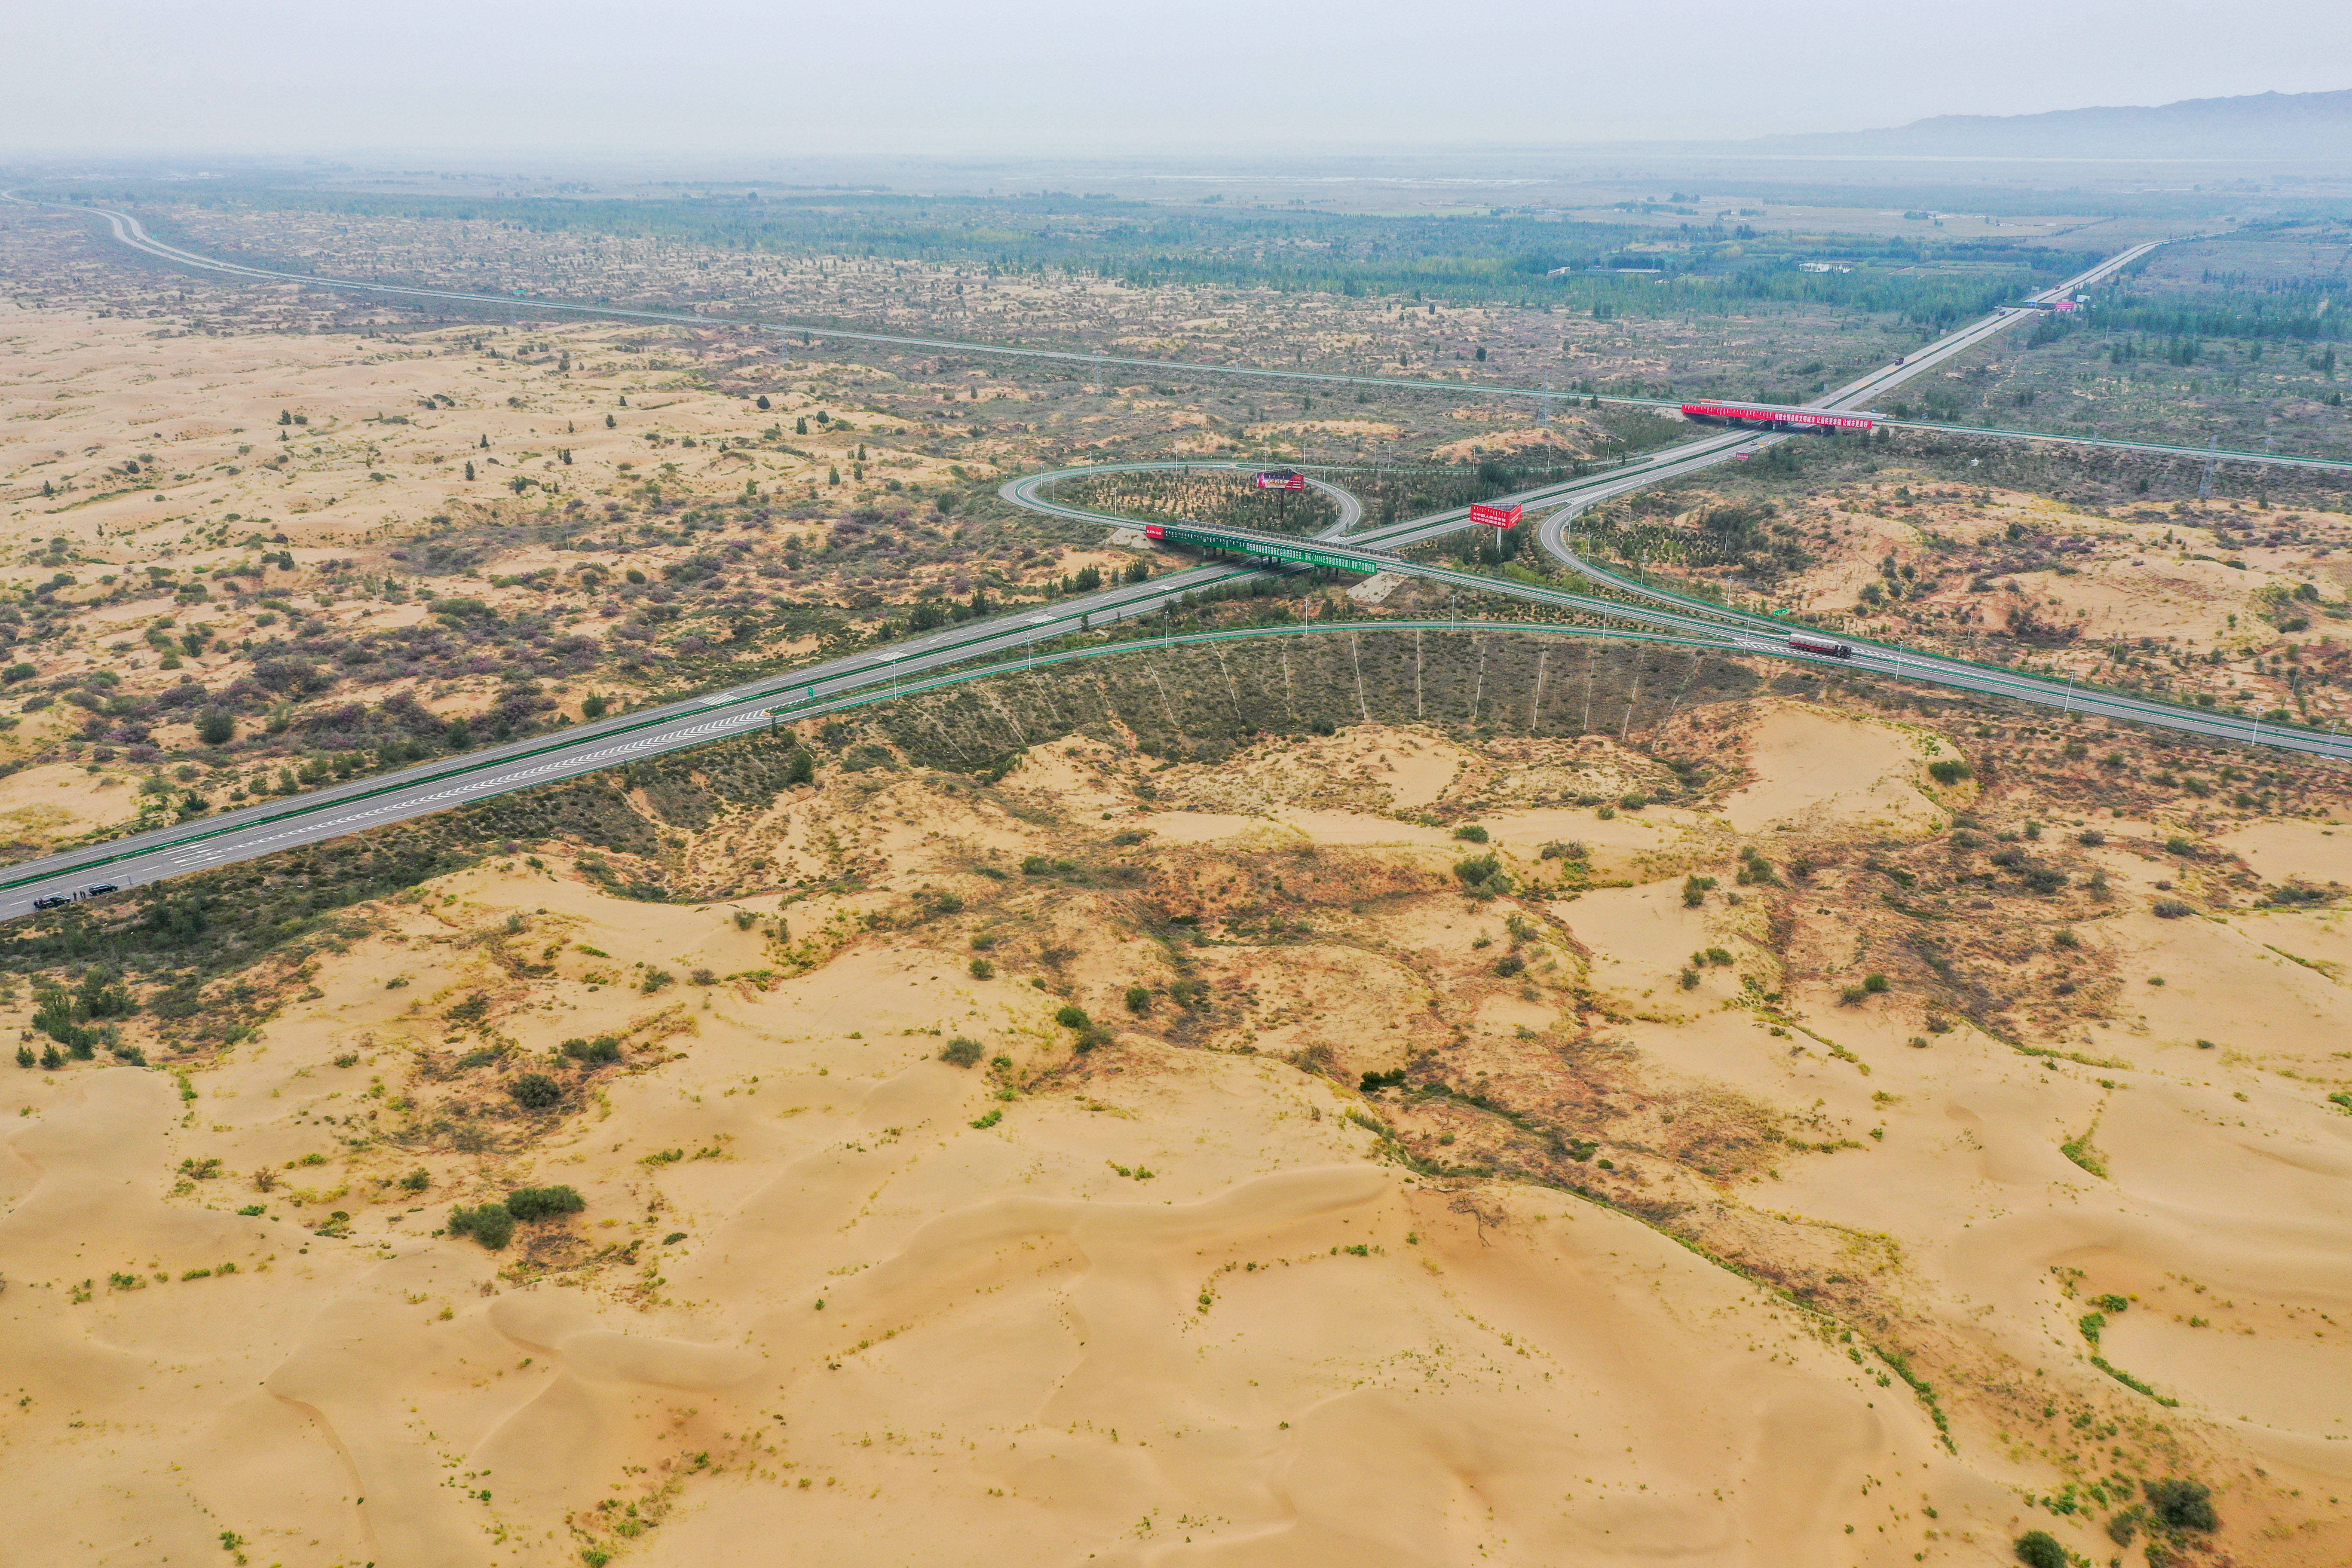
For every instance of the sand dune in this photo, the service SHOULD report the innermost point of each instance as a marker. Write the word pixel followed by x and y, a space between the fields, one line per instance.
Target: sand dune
pixel 1635 1272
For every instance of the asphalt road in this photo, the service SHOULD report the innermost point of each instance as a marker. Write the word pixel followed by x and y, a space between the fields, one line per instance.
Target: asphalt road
pixel 268 828
pixel 1700 624
pixel 128 232
pixel 1703 624
pixel 428 787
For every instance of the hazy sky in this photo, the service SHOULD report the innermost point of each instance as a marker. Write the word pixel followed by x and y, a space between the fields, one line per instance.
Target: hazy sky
pixel 720 76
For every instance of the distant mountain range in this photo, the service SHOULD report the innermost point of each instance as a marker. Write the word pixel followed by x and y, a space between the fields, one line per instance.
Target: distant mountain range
pixel 2269 125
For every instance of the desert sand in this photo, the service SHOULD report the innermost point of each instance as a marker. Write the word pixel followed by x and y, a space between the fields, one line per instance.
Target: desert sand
pixel 147 456
pixel 1194 1296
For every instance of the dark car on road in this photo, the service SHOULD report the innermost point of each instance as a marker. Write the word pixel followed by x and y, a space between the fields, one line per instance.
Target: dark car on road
pixel 59 900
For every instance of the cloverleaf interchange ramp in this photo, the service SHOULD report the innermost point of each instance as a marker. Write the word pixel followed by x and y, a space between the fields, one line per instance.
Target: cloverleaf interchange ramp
pixel 974 650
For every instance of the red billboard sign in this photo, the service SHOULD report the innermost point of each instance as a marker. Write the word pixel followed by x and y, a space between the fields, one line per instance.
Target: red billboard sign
pixel 1495 516
pixel 1779 417
pixel 1282 479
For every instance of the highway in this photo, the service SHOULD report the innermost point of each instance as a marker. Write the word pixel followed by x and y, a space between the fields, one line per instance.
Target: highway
pixel 918 663
pixel 127 231
pixel 1702 623
pixel 1698 623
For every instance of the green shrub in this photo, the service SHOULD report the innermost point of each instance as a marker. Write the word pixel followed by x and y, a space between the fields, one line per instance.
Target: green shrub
pixel 2182 1504
pixel 2040 1549
pixel 416 1181
pixel 1070 1016
pixel 536 1091
pixel 655 980
pixel 1139 999
pixel 1948 774
pixel 1875 984
pixel 1483 876
pixel 980 969
pixel 1695 890
pixel 600 1051
pixel 2170 908
pixel 529 1203
pixel 1471 833
pixel 58 1013
pixel 490 1224
pixel 961 1052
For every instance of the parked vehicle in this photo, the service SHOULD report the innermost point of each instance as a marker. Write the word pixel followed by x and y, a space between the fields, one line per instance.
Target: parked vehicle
pixel 59 900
